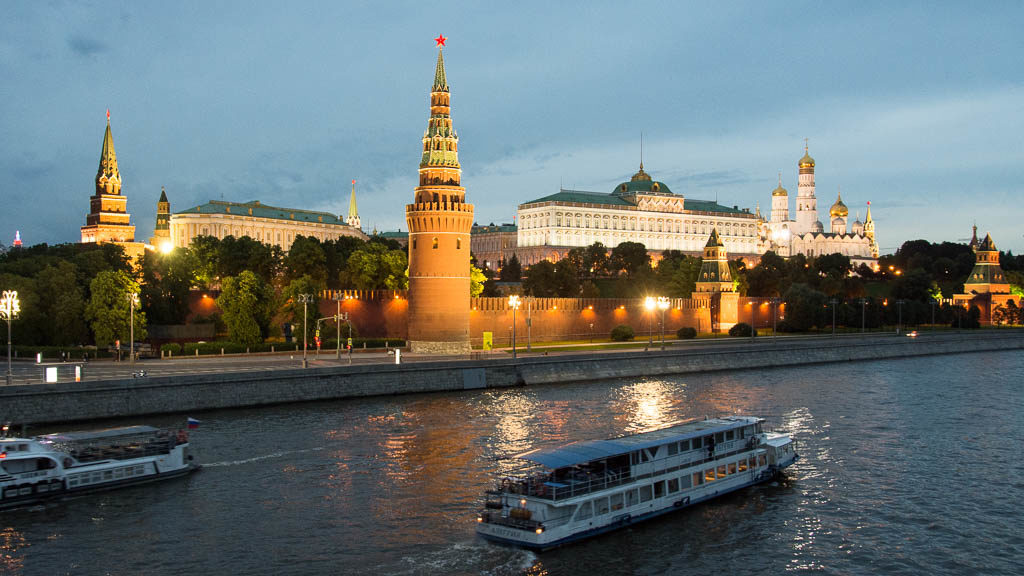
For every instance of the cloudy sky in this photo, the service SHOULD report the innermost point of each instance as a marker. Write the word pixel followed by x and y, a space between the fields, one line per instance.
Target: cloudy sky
pixel 917 107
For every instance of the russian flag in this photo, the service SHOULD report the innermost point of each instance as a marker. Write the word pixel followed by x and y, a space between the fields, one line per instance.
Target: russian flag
pixel 192 423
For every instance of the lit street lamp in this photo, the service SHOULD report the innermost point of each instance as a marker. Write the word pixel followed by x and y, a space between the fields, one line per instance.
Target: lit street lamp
pixel 305 299
pixel 775 309
pixel 514 301
pixel 649 304
pixel 133 301
pixel 663 304
pixel 9 309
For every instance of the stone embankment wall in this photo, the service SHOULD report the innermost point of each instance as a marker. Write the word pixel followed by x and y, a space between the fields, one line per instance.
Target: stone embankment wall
pixel 43 403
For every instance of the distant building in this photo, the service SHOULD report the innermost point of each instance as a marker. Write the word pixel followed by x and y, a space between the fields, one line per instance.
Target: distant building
pixel 642 210
pixel 267 224
pixel 986 286
pixel 108 219
pixel 493 245
pixel 398 236
pixel 715 289
pixel 806 235
pixel 161 239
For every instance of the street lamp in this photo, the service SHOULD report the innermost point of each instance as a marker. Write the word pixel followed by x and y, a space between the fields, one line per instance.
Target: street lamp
pixel 933 303
pixel 775 309
pixel 663 304
pixel 863 305
pixel 514 302
pixel 305 299
pixel 899 317
pixel 833 303
pixel 9 308
pixel 133 301
pixel 753 320
pixel 649 304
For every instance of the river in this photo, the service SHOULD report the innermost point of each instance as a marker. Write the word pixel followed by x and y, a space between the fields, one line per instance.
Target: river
pixel 910 466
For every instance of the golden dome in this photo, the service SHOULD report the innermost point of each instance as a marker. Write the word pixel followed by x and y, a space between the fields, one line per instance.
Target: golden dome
pixel 806 161
pixel 839 209
pixel 780 191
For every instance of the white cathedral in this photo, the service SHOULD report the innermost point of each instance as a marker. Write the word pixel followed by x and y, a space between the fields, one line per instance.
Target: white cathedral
pixel 806 235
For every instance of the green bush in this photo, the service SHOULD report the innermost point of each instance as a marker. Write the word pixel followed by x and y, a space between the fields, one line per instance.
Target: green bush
pixel 785 326
pixel 686 332
pixel 742 330
pixel 172 348
pixel 622 333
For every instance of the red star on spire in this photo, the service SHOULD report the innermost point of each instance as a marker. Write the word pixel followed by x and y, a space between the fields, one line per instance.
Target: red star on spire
pixel 353 182
pixel 440 39
pixel 108 114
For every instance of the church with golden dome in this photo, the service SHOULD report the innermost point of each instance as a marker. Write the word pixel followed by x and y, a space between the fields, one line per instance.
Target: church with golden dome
pixel 806 234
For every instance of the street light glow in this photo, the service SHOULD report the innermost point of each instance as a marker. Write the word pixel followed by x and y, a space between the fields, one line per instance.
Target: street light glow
pixel 166 247
pixel 649 303
pixel 514 301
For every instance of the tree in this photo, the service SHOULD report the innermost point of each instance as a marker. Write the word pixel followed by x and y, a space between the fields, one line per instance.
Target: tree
pixel 64 306
pixel 476 281
pixel 834 266
pixel 541 281
pixel 595 260
pixel 804 307
pixel 246 302
pixel 629 257
pixel 108 309
pixel 567 279
pixel 306 257
pixel 376 267
pixel 295 311
pixel 512 271
pixel 915 284
pixel 167 280
pixel 677 277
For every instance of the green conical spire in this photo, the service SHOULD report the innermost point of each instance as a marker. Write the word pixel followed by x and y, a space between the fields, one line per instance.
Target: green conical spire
pixel 352 211
pixel 108 177
pixel 440 82
pixel 163 194
pixel 714 240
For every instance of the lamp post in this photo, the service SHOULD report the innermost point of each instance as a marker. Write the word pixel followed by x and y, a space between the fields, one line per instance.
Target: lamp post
pixel 833 303
pixel 338 298
pixel 305 299
pixel 775 309
pixel 133 300
pixel 529 323
pixel 899 317
pixel 9 308
pixel 863 308
pixel 753 320
pixel 933 303
pixel 649 304
pixel 591 332
pixel 513 302
pixel 663 304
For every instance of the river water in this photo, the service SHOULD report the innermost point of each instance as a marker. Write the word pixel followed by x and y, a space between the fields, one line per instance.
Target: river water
pixel 910 466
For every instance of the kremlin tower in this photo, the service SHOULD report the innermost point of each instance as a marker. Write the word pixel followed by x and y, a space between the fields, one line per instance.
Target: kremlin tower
pixel 439 223
pixel 353 212
pixel 806 203
pixel 161 239
pixel 108 219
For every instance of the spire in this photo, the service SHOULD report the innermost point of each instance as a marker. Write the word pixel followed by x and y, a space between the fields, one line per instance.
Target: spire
pixel 108 178
pixel 163 194
pixel 440 82
pixel 867 218
pixel 714 240
pixel 353 213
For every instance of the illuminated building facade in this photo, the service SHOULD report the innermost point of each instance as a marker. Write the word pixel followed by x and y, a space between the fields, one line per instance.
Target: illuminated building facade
pixel 715 288
pixel 493 245
pixel 807 235
pixel 439 224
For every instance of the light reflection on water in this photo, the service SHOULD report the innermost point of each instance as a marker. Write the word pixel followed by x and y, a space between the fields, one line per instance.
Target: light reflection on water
pixel 392 485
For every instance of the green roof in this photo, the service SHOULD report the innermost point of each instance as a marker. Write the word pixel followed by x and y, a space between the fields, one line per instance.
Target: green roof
pixel 399 235
pixel 259 210
pixel 493 228
pixel 642 186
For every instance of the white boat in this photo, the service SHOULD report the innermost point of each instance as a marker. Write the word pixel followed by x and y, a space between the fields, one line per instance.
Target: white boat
pixel 50 466
pixel 587 488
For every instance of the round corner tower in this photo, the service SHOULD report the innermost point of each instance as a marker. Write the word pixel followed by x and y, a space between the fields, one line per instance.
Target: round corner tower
pixel 439 223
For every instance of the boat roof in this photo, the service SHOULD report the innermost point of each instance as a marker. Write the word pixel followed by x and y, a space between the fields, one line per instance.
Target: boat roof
pixel 98 434
pixel 589 450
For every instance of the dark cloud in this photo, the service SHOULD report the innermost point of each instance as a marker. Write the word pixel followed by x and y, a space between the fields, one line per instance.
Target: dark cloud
pixel 86 47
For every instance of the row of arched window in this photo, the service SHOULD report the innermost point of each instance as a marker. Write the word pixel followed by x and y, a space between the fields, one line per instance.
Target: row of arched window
pixel 634 223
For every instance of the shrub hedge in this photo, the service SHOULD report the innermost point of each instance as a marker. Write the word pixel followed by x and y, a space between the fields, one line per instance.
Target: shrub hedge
pixel 686 332
pixel 622 333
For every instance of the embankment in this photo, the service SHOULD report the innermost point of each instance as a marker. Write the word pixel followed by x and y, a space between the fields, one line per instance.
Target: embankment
pixel 52 403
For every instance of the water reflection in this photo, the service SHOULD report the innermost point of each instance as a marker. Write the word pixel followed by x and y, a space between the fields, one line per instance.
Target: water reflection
pixel 12 558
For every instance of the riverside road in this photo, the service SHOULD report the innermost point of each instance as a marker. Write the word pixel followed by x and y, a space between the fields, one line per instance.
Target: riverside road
pixel 26 372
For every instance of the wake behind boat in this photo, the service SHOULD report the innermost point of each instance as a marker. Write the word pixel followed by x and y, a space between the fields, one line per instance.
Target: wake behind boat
pixel 586 488
pixel 45 467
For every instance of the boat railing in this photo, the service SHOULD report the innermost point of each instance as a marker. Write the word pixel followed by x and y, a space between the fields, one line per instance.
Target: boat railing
pixel 550 487
pixel 121 448
pixel 520 523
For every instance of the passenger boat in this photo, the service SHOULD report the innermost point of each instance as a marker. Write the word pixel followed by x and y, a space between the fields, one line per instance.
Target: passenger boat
pixel 45 467
pixel 587 488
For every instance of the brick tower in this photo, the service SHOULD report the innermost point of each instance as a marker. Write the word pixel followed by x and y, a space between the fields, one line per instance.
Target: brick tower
pixel 439 223
pixel 108 219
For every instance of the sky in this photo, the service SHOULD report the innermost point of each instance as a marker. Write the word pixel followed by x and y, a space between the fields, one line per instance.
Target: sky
pixel 917 107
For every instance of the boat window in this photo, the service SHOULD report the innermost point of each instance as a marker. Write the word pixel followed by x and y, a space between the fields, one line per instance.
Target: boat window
pixel 645 493
pixel 632 497
pixel 741 433
pixel 698 479
pixel 719 438
pixel 728 435
pixel 709 475
pixel 673 485
pixel 760 428
pixel 696 443
pixel 600 506
pixel 684 445
pixel 643 456
pixel 633 458
pixel 585 511
pixel 659 489
pixel 709 440
pixel 753 461
pixel 743 465
pixel 684 482
pixel 721 471
pixel 732 468
pixel 673 449
pixel 762 460
pixel 616 501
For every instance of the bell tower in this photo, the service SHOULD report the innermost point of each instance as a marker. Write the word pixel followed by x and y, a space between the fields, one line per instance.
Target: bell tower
pixel 439 223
